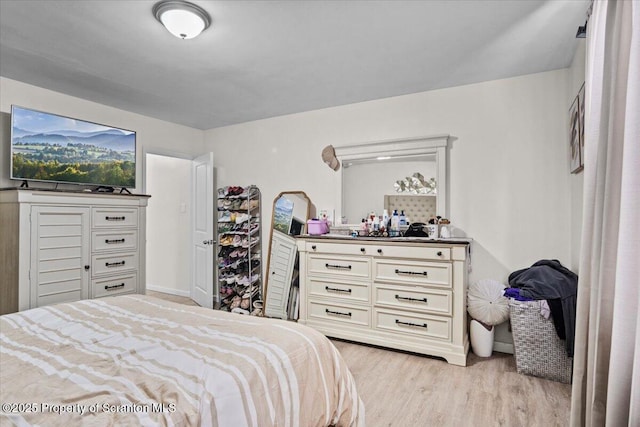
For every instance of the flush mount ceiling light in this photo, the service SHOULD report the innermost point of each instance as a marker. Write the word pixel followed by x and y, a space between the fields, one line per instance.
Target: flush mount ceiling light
pixel 182 19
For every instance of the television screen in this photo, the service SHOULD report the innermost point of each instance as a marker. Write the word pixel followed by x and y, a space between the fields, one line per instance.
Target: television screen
pixel 48 147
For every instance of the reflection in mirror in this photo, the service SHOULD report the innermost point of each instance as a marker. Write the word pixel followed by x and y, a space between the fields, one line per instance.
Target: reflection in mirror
pixel 368 185
pixel 291 210
pixel 375 170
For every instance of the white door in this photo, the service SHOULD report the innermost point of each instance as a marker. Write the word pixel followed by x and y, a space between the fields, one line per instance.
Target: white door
pixel 203 228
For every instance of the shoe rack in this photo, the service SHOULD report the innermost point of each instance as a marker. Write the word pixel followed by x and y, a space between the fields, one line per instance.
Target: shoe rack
pixel 239 279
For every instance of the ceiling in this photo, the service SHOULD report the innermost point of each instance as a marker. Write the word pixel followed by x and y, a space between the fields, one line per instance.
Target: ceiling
pixel 263 59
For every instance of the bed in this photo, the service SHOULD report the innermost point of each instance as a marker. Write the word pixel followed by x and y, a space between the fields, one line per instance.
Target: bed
pixel 139 360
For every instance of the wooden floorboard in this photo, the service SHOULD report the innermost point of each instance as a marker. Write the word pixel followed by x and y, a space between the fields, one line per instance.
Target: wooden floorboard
pixel 405 390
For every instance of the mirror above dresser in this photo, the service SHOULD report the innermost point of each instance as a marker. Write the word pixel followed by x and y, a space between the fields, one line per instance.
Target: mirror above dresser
pixel 379 175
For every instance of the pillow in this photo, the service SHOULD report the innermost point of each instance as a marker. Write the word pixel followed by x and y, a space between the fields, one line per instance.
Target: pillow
pixel 486 302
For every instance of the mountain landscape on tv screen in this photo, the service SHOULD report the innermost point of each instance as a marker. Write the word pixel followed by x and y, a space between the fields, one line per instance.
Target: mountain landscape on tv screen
pixel 97 157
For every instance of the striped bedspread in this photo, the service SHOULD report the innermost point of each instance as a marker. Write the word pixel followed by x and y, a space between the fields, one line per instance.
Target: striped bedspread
pixel 137 360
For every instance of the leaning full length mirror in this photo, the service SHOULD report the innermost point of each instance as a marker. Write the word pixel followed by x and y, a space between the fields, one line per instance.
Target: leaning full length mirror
pixel 291 210
pixel 408 174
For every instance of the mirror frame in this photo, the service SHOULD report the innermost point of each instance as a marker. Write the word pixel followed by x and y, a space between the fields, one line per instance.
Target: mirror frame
pixel 304 231
pixel 408 147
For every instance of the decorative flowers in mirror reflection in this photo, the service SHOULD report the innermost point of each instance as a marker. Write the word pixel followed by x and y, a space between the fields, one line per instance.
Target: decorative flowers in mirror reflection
pixel 415 184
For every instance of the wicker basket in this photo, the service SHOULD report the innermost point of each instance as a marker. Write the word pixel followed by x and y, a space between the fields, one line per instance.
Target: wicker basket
pixel 538 350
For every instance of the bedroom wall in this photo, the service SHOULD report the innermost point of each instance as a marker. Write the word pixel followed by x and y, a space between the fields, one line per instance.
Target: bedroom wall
pixel 576 79
pixel 169 224
pixel 509 179
pixel 510 188
pixel 151 133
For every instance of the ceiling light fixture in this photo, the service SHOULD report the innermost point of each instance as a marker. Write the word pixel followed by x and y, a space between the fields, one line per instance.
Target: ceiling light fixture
pixel 182 19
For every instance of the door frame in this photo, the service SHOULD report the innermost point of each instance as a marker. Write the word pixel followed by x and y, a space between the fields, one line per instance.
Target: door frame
pixel 178 155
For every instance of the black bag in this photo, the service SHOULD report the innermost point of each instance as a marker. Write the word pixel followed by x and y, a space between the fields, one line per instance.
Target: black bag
pixel 416 230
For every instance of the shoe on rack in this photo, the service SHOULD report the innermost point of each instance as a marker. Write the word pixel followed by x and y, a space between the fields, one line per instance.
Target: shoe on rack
pixel 244 304
pixel 246 242
pixel 249 204
pixel 240 218
pixel 224 216
pixel 239 310
pixel 235 302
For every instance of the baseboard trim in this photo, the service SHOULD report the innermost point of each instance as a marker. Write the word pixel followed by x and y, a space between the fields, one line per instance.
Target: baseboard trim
pixel 177 292
pixel 503 347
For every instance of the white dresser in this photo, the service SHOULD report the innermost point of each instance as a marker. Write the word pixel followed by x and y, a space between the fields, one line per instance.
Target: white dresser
pixel 402 294
pixel 67 246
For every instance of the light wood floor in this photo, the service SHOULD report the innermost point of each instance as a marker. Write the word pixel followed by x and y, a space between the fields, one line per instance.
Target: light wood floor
pixel 405 390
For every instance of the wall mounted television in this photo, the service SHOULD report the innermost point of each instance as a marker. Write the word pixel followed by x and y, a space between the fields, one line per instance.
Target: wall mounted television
pixel 52 148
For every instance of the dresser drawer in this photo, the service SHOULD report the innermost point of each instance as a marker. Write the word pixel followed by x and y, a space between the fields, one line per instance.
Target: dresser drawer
pixel 417 325
pixel 339 266
pixel 352 291
pixel 415 252
pixel 350 248
pixel 416 299
pixel 121 240
pixel 114 217
pixel 413 272
pixel 113 286
pixel 114 263
pixel 338 313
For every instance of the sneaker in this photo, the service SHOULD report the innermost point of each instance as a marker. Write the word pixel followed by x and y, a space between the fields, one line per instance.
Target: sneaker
pixel 246 242
pixel 224 216
pixel 240 218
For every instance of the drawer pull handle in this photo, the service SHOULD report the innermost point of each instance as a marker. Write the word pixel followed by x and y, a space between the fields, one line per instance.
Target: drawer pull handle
pixel 362 249
pixel 379 251
pixel 337 313
pixel 439 253
pixel 424 300
pixel 113 264
pixel 398 322
pixel 114 218
pixel 337 290
pixel 415 273
pixel 313 247
pixel 344 267
pixel 112 287
pixel 113 241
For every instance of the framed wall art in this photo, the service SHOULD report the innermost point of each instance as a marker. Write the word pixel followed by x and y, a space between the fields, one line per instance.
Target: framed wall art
pixel 581 108
pixel 575 162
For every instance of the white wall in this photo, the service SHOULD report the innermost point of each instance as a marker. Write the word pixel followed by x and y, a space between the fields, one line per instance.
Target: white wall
pixel 150 133
pixel 510 185
pixel 576 79
pixel 169 224
pixel 509 177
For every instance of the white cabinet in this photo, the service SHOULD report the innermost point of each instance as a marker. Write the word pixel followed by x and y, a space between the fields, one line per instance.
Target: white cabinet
pixel 60 251
pixel 67 246
pixel 282 257
pixel 406 295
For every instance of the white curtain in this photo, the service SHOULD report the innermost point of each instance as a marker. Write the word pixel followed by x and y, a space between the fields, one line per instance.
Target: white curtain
pixel 606 378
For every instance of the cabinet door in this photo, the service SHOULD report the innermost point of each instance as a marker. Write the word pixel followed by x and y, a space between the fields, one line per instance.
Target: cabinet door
pixel 282 259
pixel 60 239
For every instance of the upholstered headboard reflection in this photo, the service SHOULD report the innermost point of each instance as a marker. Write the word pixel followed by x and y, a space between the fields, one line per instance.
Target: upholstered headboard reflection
pixel 419 208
